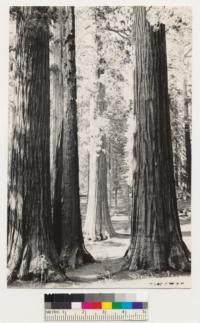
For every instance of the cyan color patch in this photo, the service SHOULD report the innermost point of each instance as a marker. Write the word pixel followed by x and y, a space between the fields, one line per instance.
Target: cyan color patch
pixel 127 305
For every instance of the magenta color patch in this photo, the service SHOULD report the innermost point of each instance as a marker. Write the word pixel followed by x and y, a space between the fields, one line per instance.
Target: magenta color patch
pixel 86 305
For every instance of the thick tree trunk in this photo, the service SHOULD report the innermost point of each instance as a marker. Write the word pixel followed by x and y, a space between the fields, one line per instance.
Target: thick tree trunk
pixel 57 101
pixel 98 225
pixel 156 240
pixel 30 240
pixel 73 252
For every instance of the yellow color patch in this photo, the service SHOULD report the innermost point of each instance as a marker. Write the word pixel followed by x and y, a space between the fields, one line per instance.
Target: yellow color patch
pixel 106 305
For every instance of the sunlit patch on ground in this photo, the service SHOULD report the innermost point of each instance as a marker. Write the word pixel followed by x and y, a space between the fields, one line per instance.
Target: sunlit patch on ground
pixel 107 273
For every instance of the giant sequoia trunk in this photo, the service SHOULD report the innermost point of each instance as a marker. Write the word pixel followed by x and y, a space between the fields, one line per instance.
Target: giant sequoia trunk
pixel 57 101
pixel 156 241
pixel 29 213
pixel 67 217
pixel 98 225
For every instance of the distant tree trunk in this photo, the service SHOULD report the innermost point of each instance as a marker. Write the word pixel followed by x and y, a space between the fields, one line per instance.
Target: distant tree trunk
pixel 175 141
pixel 110 175
pixel 73 252
pixel 110 192
pixel 127 199
pixel 176 167
pixel 156 240
pixel 29 213
pixel 116 180
pixel 88 174
pixel 187 142
pixel 98 225
pixel 116 191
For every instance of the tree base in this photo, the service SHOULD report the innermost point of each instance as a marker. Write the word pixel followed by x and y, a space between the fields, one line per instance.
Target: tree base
pixel 98 237
pixel 72 258
pixel 51 275
pixel 146 254
pixel 179 257
pixel 39 268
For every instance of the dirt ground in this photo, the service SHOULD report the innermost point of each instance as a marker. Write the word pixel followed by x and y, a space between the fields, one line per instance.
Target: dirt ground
pixel 116 246
pixel 109 254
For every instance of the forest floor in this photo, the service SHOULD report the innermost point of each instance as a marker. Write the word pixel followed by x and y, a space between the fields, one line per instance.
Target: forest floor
pixel 107 271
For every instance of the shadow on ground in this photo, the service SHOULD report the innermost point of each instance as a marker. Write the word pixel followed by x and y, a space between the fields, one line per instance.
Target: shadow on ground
pixel 109 272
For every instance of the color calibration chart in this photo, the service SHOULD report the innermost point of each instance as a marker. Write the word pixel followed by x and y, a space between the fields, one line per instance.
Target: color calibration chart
pixel 96 307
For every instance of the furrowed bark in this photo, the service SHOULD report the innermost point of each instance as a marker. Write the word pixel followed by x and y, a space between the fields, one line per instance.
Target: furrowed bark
pixel 73 252
pixel 29 213
pixel 98 225
pixel 57 102
pixel 156 240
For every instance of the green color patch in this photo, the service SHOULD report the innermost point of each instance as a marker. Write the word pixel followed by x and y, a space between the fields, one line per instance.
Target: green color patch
pixel 117 305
